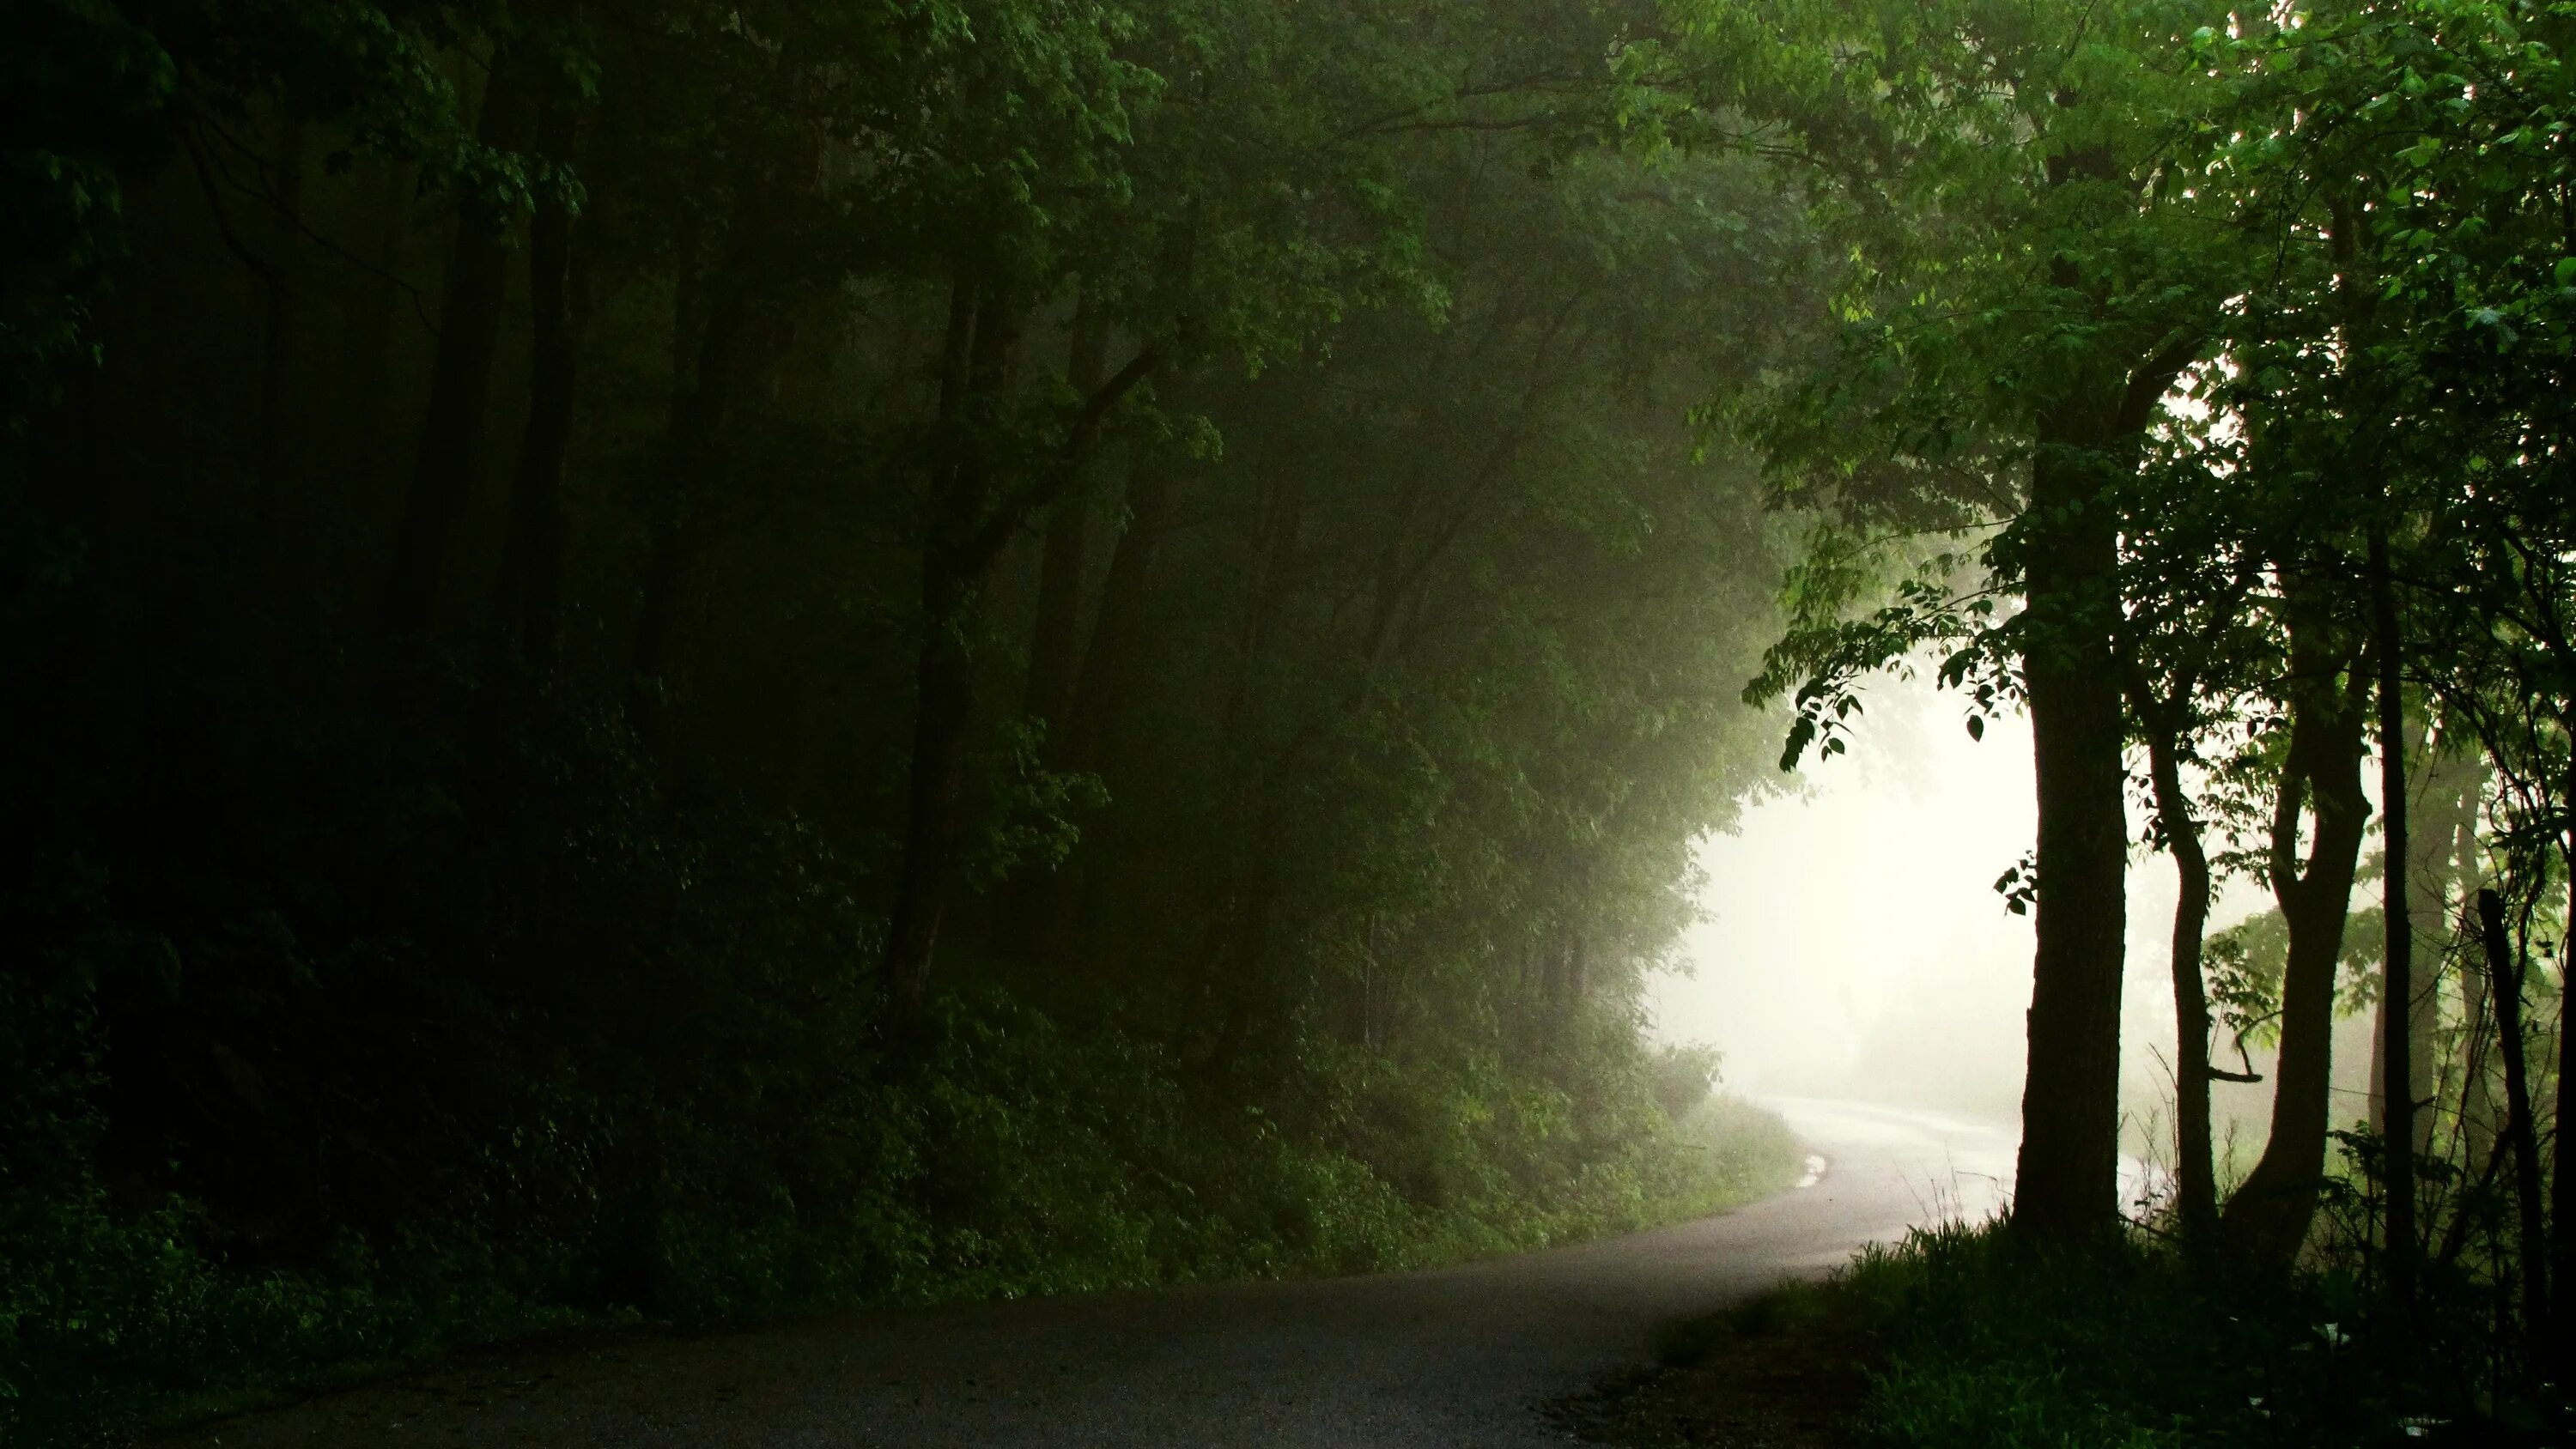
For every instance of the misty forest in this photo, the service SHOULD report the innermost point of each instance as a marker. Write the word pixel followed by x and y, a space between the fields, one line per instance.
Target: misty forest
pixel 672 672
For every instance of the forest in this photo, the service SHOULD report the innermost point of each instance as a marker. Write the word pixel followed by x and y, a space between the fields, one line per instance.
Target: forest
pixel 675 662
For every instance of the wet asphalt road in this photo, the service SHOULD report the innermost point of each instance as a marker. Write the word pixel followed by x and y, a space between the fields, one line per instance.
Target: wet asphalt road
pixel 1459 1357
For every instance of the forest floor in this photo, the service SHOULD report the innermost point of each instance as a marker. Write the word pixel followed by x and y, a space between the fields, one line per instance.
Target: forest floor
pixel 1474 1355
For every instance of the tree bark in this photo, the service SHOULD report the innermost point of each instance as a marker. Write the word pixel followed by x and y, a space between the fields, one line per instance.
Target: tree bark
pixel 277 344
pixel 2562 1180
pixel 2397 993
pixel 2196 1170
pixel 366 344
pixel 733 348
pixel 460 379
pixel 2268 1218
pixel 983 325
pixel 539 530
pixel 1122 628
pixel 1055 639
pixel 1028 916
pixel 2504 975
pixel 2067 1178
pixel 2433 845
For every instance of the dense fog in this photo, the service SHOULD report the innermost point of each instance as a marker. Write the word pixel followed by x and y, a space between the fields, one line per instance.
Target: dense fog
pixel 1853 944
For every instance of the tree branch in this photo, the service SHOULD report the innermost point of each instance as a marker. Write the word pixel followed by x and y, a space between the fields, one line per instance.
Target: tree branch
pixel 1051 484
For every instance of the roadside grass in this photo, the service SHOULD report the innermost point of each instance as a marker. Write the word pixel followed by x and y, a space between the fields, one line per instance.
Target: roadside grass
pixel 1958 1338
pixel 1987 1345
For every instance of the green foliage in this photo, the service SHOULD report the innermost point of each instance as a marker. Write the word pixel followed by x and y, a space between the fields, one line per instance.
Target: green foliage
pixel 1684 1076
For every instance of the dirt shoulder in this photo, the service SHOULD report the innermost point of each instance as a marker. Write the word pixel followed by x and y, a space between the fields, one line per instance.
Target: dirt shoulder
pixel 1787 1371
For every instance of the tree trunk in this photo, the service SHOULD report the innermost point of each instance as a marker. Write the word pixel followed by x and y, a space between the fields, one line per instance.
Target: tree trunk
pixel 982 328
pixel 2562 1180
pixel 944 701
pixel 1123 627
pixel 539 531
pixel 2268 1218
pixel 2195 1168
pixel 2432 845
pixel 2067 1180
pixel 971 521
pixel 1055 640
pixel 2479 1116
pixel 460 380
pixel 1028 917
pixel 2397 992
pixel 2504 975
pixel 277 344
pixel 733 348
pixel 367 345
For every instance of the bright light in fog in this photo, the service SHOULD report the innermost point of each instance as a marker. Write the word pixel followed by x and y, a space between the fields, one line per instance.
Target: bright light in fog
pixel 1856 946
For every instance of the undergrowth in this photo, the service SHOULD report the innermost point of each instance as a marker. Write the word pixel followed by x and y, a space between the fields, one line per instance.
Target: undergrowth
pixel 1026 1163
pixel 1989 1345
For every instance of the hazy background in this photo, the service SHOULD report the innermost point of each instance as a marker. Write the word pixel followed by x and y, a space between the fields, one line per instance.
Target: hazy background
pixel 1855 946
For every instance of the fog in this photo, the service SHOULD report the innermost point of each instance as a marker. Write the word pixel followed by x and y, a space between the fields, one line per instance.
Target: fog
pixel 1855 947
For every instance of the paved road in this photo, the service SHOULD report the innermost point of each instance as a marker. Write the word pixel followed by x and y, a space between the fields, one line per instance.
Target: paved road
pixel 1459 1357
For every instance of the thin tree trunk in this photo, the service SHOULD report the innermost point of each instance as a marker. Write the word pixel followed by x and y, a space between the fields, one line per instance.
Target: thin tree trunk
pixel 368 343
pixel 539 531
pixel 1122 628
pixel 1028 916
pixel 2504 974
pixel 2479 1117
pixel 2397 994
pixel 2196 1169
pixel 277 344
pixel 731 350
pixel 2268 1219
pixel 970 523
pixel 2562 1189
pixel 1055 640
pixel 2431 847
pixel 982 328
pixel 460 380
pixel 2067 1178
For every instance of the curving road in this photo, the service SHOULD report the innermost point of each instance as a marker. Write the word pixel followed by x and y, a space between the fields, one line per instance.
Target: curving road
pixel 1459 1357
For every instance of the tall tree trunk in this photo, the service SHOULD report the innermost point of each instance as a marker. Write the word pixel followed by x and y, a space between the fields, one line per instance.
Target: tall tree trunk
pixel 539 530
pixel 2562 1180
pixel 1122 629
pixel 732 349
pixel 2432 845
pixel 970 521
pixel 2397 994
pixel 461 378
pixel 2504 974
pixel 366 342
pixel 1028 917
pixel 2067 1180
pixel 982 328
pixel 2479 1116
pixel 2268 1218
pixel 2196 1169
pixel 1055 640
pixel 277 344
